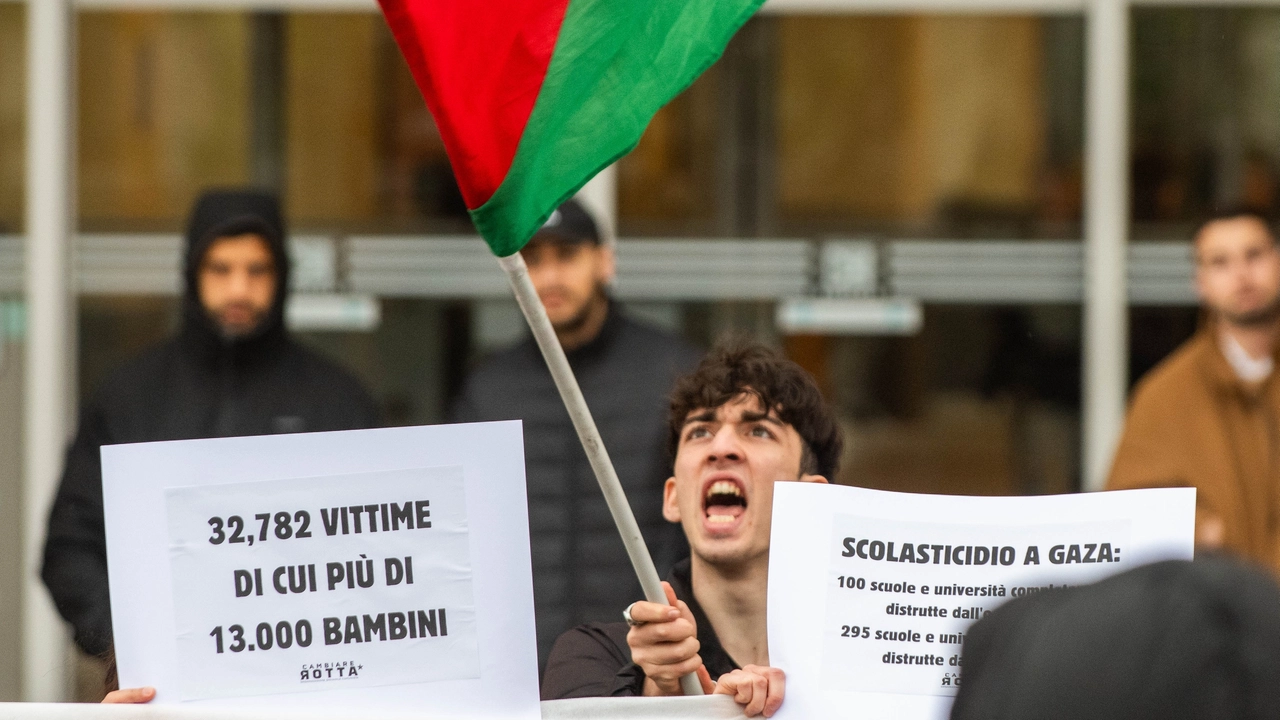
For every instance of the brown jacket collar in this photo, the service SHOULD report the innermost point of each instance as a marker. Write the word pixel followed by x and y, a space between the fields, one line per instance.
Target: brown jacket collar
pixel 1222 376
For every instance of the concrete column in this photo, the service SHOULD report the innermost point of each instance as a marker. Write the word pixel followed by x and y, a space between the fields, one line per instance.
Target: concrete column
pixel 49 348
pixel 1106 227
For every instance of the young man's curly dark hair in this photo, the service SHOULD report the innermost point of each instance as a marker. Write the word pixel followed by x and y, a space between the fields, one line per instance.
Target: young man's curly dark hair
pixel 738 366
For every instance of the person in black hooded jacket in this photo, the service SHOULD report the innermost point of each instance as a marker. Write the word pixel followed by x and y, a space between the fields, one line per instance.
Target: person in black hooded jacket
pixel 231 370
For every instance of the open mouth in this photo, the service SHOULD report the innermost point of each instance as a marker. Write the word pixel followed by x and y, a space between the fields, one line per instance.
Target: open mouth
pixel 724 501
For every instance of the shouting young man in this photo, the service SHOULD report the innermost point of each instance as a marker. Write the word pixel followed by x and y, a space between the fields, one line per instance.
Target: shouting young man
pixel 744 420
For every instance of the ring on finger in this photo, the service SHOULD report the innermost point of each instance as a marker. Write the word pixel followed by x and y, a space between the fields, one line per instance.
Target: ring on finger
pixel 626 615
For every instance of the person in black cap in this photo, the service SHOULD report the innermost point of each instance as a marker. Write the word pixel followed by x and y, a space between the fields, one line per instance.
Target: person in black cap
pixel 580 567
pixel 1170 641
pixel 231 370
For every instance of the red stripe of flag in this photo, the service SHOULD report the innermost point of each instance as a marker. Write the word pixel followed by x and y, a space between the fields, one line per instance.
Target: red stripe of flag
pixel 480 65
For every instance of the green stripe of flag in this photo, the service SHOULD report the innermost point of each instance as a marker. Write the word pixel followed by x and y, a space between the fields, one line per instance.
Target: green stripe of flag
pixel 616 63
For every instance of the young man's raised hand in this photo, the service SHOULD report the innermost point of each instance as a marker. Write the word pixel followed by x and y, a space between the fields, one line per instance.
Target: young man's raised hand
pixel 664 643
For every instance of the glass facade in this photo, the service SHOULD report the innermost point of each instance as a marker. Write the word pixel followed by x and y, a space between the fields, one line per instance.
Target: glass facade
pixel 1205 131
pixel 164 110
pixel 810 127
pixel 880 127
pixel 952 127
pixel 900 126
pixel 318 106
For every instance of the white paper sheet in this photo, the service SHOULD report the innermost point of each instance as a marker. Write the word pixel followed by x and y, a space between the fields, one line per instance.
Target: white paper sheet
pixel 871 592
pixel 202 536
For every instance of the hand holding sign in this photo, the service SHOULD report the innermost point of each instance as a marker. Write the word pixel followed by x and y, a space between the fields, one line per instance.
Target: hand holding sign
pixel 130 696
pixel 758 689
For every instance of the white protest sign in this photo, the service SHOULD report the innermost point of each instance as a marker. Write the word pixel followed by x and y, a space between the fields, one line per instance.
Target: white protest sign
pixel 871 592
pixel 326 572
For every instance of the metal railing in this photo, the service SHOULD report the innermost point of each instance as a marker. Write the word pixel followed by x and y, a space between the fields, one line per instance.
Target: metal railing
pixel 461 267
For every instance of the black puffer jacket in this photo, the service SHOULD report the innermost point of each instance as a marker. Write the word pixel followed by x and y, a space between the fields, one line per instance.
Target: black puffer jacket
pixel 195 385
pixel 580 568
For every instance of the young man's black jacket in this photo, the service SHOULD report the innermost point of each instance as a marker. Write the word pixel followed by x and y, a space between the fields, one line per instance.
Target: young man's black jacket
pixel 195 385
pixel 594 660
pixel 580 567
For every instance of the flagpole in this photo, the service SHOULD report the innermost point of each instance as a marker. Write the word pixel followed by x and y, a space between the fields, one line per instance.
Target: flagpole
pixel 536 315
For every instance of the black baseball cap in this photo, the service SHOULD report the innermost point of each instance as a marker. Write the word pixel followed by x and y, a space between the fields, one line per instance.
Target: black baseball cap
pixel 569 223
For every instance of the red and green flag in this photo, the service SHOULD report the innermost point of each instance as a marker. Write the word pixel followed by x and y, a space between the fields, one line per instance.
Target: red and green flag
pixel 534 97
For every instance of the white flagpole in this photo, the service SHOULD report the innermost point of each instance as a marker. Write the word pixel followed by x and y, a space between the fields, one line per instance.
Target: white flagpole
pixel 536 315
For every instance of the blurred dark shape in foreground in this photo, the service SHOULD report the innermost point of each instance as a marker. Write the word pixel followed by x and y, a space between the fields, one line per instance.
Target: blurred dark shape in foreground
pixel 1171 640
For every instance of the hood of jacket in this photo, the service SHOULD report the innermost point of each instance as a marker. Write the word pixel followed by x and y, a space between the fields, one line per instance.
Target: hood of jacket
pixel 224 213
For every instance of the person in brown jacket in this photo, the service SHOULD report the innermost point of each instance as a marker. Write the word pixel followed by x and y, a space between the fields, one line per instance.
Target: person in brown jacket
pixel 1208 416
